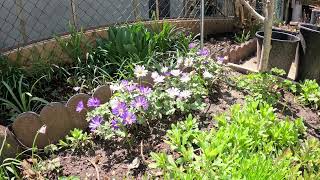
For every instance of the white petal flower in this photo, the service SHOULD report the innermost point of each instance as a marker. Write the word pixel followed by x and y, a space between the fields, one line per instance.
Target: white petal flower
pixel 43 129
pixel 164 69
pixel 114 102
pixel 116 87
pixel 185 77
pixel 140 71
pixel 173 92
pixel 179 61
pixel 154 75
pixel 188 62
pixel 185 94
pixel 175 72
pixel 159 79
pixel 206 74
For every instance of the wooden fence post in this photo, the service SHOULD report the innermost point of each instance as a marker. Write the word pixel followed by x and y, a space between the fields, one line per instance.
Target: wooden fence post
pixel 73 13
pixel 22 21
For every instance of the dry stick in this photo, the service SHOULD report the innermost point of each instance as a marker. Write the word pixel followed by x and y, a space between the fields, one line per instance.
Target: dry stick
pixel 96 168
pixel 141 152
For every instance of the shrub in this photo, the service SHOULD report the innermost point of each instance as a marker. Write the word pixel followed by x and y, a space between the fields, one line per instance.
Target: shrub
pixel 176 90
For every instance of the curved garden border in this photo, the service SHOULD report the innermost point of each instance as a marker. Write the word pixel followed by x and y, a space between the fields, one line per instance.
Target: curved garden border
pixel 212 25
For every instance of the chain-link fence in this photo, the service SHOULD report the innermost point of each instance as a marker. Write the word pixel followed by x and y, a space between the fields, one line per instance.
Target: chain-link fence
pixel 26 21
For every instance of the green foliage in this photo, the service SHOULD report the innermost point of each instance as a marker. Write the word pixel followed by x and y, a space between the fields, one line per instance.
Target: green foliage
pixel 251 143
pixel 174 92
pixel 17 100
pixel 77 141
pixel 310 93
pixel 260 86
pixel 242 37
pixel 265 86
pixel 75 46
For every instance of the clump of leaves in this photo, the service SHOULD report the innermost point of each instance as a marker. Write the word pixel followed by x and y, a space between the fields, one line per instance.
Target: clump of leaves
pixel 251 143
pixel 18 100
pixel 310 93
pixel 242 37
pixel 78 141
pixel 265 86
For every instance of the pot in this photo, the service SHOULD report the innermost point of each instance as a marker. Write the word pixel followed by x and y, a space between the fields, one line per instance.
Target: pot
pixel 309 63
pixel 283 49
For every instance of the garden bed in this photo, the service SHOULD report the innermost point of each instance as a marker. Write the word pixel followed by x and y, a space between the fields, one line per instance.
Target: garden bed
pixel 114 159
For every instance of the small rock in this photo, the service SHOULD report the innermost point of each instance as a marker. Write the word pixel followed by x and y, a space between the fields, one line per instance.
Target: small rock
pixel 134 164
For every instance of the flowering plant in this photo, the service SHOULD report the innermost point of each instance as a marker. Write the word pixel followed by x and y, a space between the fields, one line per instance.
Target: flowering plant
pixel 180 88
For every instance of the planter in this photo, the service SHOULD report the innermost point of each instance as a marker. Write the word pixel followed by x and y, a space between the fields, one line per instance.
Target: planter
pixel 283 50
pixel 309 64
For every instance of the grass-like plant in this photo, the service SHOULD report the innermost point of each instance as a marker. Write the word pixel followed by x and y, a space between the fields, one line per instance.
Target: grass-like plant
pixel 19 100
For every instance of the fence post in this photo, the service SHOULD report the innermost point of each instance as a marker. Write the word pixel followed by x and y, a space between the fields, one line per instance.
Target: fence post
pixel 202 25
pixel 157 10
pixel 73 13
pixel 22 21
pixel 136 10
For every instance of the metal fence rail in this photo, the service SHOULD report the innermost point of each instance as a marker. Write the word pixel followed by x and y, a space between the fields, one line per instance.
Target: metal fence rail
pixel 26 21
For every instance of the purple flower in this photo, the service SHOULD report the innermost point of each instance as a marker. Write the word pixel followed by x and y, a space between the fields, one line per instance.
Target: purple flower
pixel 203 52
pixel 124 82
pixel 95 123
pixel 93 102
pixel 80 106
pixel 192 45
pixel 145 90
pixel 120 109
pixel 114 124
pixel 129 118
pixel 140 101
pixel 221 59
pixel 131 87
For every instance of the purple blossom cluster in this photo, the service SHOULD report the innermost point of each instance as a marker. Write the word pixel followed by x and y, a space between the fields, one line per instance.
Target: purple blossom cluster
pixel 93 102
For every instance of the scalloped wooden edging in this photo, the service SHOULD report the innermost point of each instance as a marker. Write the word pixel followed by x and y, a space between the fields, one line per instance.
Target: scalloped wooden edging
pixel 60 118
pixel 240 52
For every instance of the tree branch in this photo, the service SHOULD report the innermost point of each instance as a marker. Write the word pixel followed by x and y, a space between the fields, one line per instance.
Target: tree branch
pixel 252 11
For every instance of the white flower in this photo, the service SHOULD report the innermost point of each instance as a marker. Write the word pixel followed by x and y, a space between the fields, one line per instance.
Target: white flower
pixel 114 102
pixel 43 129
pixel 185 78
pixel 154 75
pixel 173 92
pixel 179 61
pixel 188 62
pixel 116 87
pixel 185 94
pixel 159 79
pixel 164 69
pixel 206 74
pixel 140 71
pixel 175 72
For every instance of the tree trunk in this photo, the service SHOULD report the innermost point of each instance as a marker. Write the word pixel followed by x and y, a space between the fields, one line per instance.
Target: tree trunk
pixel 269 11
